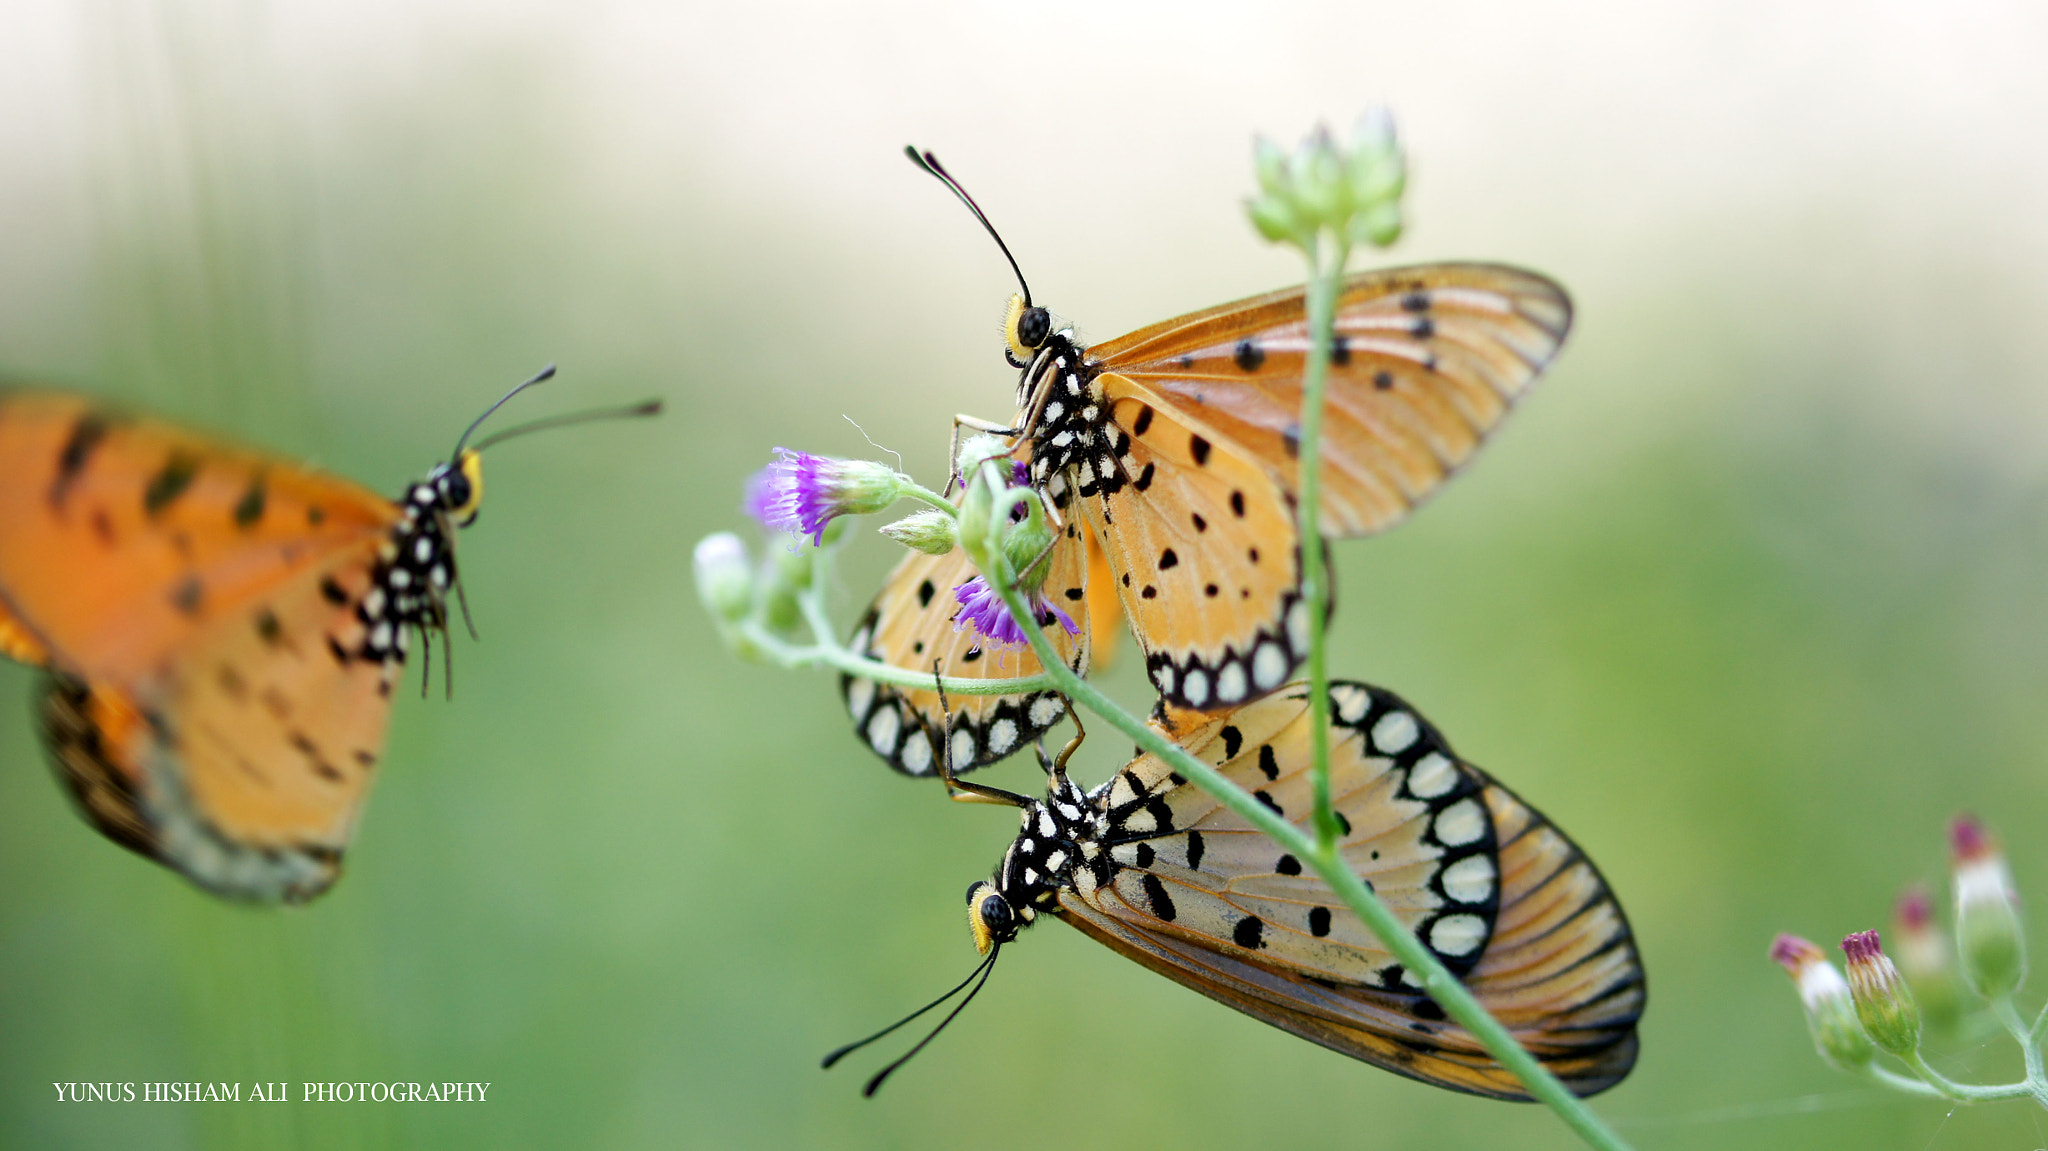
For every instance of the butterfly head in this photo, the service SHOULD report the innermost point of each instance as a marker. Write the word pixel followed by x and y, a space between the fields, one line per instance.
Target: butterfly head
pixel 1056 838
pixel 457 489
pixel 1025 328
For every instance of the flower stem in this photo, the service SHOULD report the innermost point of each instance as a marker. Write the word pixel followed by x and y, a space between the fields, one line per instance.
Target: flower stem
pixel 1315 574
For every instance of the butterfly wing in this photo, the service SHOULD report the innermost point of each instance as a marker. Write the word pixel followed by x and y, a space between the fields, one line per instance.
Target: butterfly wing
pixel 1427 361
pixel 1510 905
pixel 121 537
pixel 210 703
pixel 910 626
pixel 1200 542
pixel 244 761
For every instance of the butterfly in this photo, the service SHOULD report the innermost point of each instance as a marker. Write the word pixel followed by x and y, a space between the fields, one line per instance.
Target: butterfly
pixel 220 630
pixel 1175 449
pixel 1154 868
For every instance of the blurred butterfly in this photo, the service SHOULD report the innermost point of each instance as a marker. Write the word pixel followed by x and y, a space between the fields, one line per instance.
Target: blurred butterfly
pixel 1155 868
pixel 221 630
pixel 1174 447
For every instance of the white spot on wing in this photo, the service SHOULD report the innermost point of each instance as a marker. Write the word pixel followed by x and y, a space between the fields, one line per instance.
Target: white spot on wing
pixel 1470 880
pixel 882 729
pixel 1269 665
pixel 1195 686
pixel 917 754
pixel 1230 683
pixel 1433 775
pixel 1002 736
pixel 859 694
pixel 1046 710
pixel 1349 701
pixel 1460 823
pixel 1457 934
pixel 1395 732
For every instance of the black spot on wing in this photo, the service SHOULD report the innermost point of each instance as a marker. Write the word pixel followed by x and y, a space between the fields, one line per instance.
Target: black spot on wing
pixel 169 482
pixel 1340 351
pixel 1199 448
pixel 1167 559
pixel 1288 865
pixel 1383 379
pixel 1319 921
pixel 1144 479
pixel 1195 849
pixel 1269 764
pixel 1249 355
pixel 333 592
pixel 185 596
pixel 85 435
pixel 925 591
pixel 1250 933
pixel 1155 895
pixel 249 509
pixel 1233 739
pixel 1144 420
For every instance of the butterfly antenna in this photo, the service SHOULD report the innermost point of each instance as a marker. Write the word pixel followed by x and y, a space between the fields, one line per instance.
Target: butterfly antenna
pixel 627 411
pixel 988 968
pixel 980 971
pixel 930 163
pixel 544 374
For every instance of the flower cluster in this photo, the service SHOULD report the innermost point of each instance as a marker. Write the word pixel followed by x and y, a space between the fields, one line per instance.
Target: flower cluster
pixel 1354 192
pixel 1889 1007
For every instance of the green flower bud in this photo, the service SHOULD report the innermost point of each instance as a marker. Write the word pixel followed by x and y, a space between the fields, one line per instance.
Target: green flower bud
pixel 1830 1012
pixel 1884 1004
pixel 931 531
pixel 1988 935
pixel 725 577
pixel 1927 961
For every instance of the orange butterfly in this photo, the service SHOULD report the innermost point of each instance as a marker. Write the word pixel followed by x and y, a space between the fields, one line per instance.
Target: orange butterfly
pixel 1175 447
pixel 1153 867
pixel 221 631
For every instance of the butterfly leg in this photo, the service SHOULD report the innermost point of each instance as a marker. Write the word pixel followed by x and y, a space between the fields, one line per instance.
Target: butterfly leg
pixel 963 420
pixel 943 755
pixel 1056 766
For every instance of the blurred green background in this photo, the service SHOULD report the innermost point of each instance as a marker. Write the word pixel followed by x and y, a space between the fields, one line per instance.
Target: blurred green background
pixel 1747 596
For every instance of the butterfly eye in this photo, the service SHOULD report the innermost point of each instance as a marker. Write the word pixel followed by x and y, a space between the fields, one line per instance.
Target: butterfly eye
pixel 462 489
pixel 1025 327
pixel 1034 324
pixel 989 916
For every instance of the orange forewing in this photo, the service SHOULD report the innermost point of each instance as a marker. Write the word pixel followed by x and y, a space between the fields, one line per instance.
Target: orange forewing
pixel 121 538
pixel 1429 359
pixel 194 602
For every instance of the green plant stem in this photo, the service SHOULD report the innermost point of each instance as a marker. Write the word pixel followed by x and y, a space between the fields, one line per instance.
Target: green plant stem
pixel 1897 1082
pixel 754 638
pixel 1323 283
pixel 1442 986
pixel 2008 1014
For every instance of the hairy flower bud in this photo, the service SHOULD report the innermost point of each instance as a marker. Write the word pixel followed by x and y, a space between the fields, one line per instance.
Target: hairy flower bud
pixel 725 577
pixel 1988 935
pixel 1926 960
pixel 931 531
pixel 1884 1004
pixel 1830 1013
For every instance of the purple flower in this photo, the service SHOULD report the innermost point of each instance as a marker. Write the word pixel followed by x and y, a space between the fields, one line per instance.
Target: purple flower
pixel 800 493
pixel 982 608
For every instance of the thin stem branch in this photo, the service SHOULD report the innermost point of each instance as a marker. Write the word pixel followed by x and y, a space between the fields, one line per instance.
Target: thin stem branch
pixel 1442 986
pixel 1315 591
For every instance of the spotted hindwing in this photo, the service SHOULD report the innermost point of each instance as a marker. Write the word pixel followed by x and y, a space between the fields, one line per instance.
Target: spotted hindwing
pixel 1513 908
pixel 911 626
